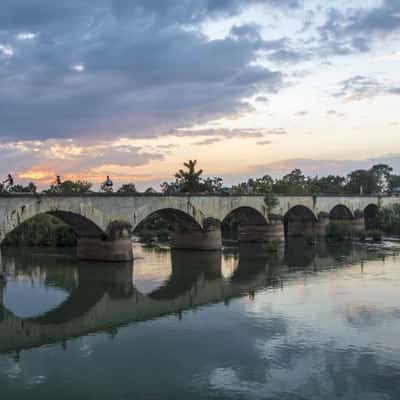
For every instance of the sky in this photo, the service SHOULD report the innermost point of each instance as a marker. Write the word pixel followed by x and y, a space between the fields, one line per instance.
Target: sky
pixel 133 88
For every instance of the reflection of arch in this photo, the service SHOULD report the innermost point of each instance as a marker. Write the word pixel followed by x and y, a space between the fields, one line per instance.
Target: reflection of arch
pixel 175 219
pixel 253 260
pixel 242 216
pixel 187 269
pixel 371 214
pixel 299 254
pixel 299 221
pixel 94 283
pixel 341 212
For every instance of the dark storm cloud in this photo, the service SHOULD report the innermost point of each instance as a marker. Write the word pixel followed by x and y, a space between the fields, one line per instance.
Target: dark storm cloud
pixel 125 68
pixel 356 30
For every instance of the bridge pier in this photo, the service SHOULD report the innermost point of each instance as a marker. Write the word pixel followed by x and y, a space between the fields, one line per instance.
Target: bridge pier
pixel 271 232
pixel 321 225
pixel 359 224
pixel 208 239
pixel 115 248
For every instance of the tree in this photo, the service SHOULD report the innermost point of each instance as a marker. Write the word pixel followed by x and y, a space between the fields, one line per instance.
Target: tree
pixel 330 184
pixel 394 182
pixel 30 188
pixel 295 182
pixel 362 181
pixel 212 185
pixel 70 187
pixel 189 181
pixel 263 185
pixel 170 187
pixel 270 201
pixel 127 188
pixel 383 173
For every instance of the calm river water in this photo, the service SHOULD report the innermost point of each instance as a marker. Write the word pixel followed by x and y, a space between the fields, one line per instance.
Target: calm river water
pixel 303 323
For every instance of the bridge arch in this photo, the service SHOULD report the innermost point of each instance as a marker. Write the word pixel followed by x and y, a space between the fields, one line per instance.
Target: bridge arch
pixel 299 220
pixel 80 225
pixel 84 220
pixel 341 212
pixel 240 218
pixel 175 219
pixel 371 215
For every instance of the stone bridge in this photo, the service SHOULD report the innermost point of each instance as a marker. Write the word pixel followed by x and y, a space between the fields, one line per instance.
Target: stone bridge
pixel 101 221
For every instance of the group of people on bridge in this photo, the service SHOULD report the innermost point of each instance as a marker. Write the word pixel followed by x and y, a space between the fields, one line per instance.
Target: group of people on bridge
pixel 8 184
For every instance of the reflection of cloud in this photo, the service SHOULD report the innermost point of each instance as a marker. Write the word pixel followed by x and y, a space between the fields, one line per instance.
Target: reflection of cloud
pixel 86 350
pixel 369 316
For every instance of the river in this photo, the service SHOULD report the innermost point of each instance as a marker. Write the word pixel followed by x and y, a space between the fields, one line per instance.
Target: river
pixel 305 322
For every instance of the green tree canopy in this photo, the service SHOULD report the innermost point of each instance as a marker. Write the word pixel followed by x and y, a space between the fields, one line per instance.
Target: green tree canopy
pixel 70 187
pixel 127 188
pixel 362 181
pixel 189 180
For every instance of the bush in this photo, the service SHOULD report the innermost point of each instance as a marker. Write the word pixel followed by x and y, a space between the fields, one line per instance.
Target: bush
pixel 43 230
pixel 362 235
pixel 339 231
pixel 146 236
pixel 272 247
pixel 163 235
pixel 389 219
pixel 375 234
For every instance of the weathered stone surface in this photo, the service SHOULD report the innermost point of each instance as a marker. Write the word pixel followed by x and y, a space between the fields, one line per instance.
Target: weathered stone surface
pixel 109 250
pixel 92 215
pixel 262 233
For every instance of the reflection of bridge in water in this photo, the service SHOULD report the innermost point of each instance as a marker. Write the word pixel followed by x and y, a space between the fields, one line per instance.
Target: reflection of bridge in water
pixel 105 297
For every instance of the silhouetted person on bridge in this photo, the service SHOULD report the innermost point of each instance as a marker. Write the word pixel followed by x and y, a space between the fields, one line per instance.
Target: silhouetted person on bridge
pixel 107 186
pixel 8 182
pixel 58 183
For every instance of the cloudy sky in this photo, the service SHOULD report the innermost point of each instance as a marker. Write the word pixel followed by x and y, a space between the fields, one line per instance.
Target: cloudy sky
pixel 132 88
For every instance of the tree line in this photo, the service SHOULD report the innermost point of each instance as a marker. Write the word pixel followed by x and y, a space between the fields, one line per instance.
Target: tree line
pixel 376 180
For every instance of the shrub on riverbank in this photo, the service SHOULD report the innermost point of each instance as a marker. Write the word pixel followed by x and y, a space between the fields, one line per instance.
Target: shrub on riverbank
pixel 44 231
pixel 389 219
pixel 375 234
pixel 339 231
